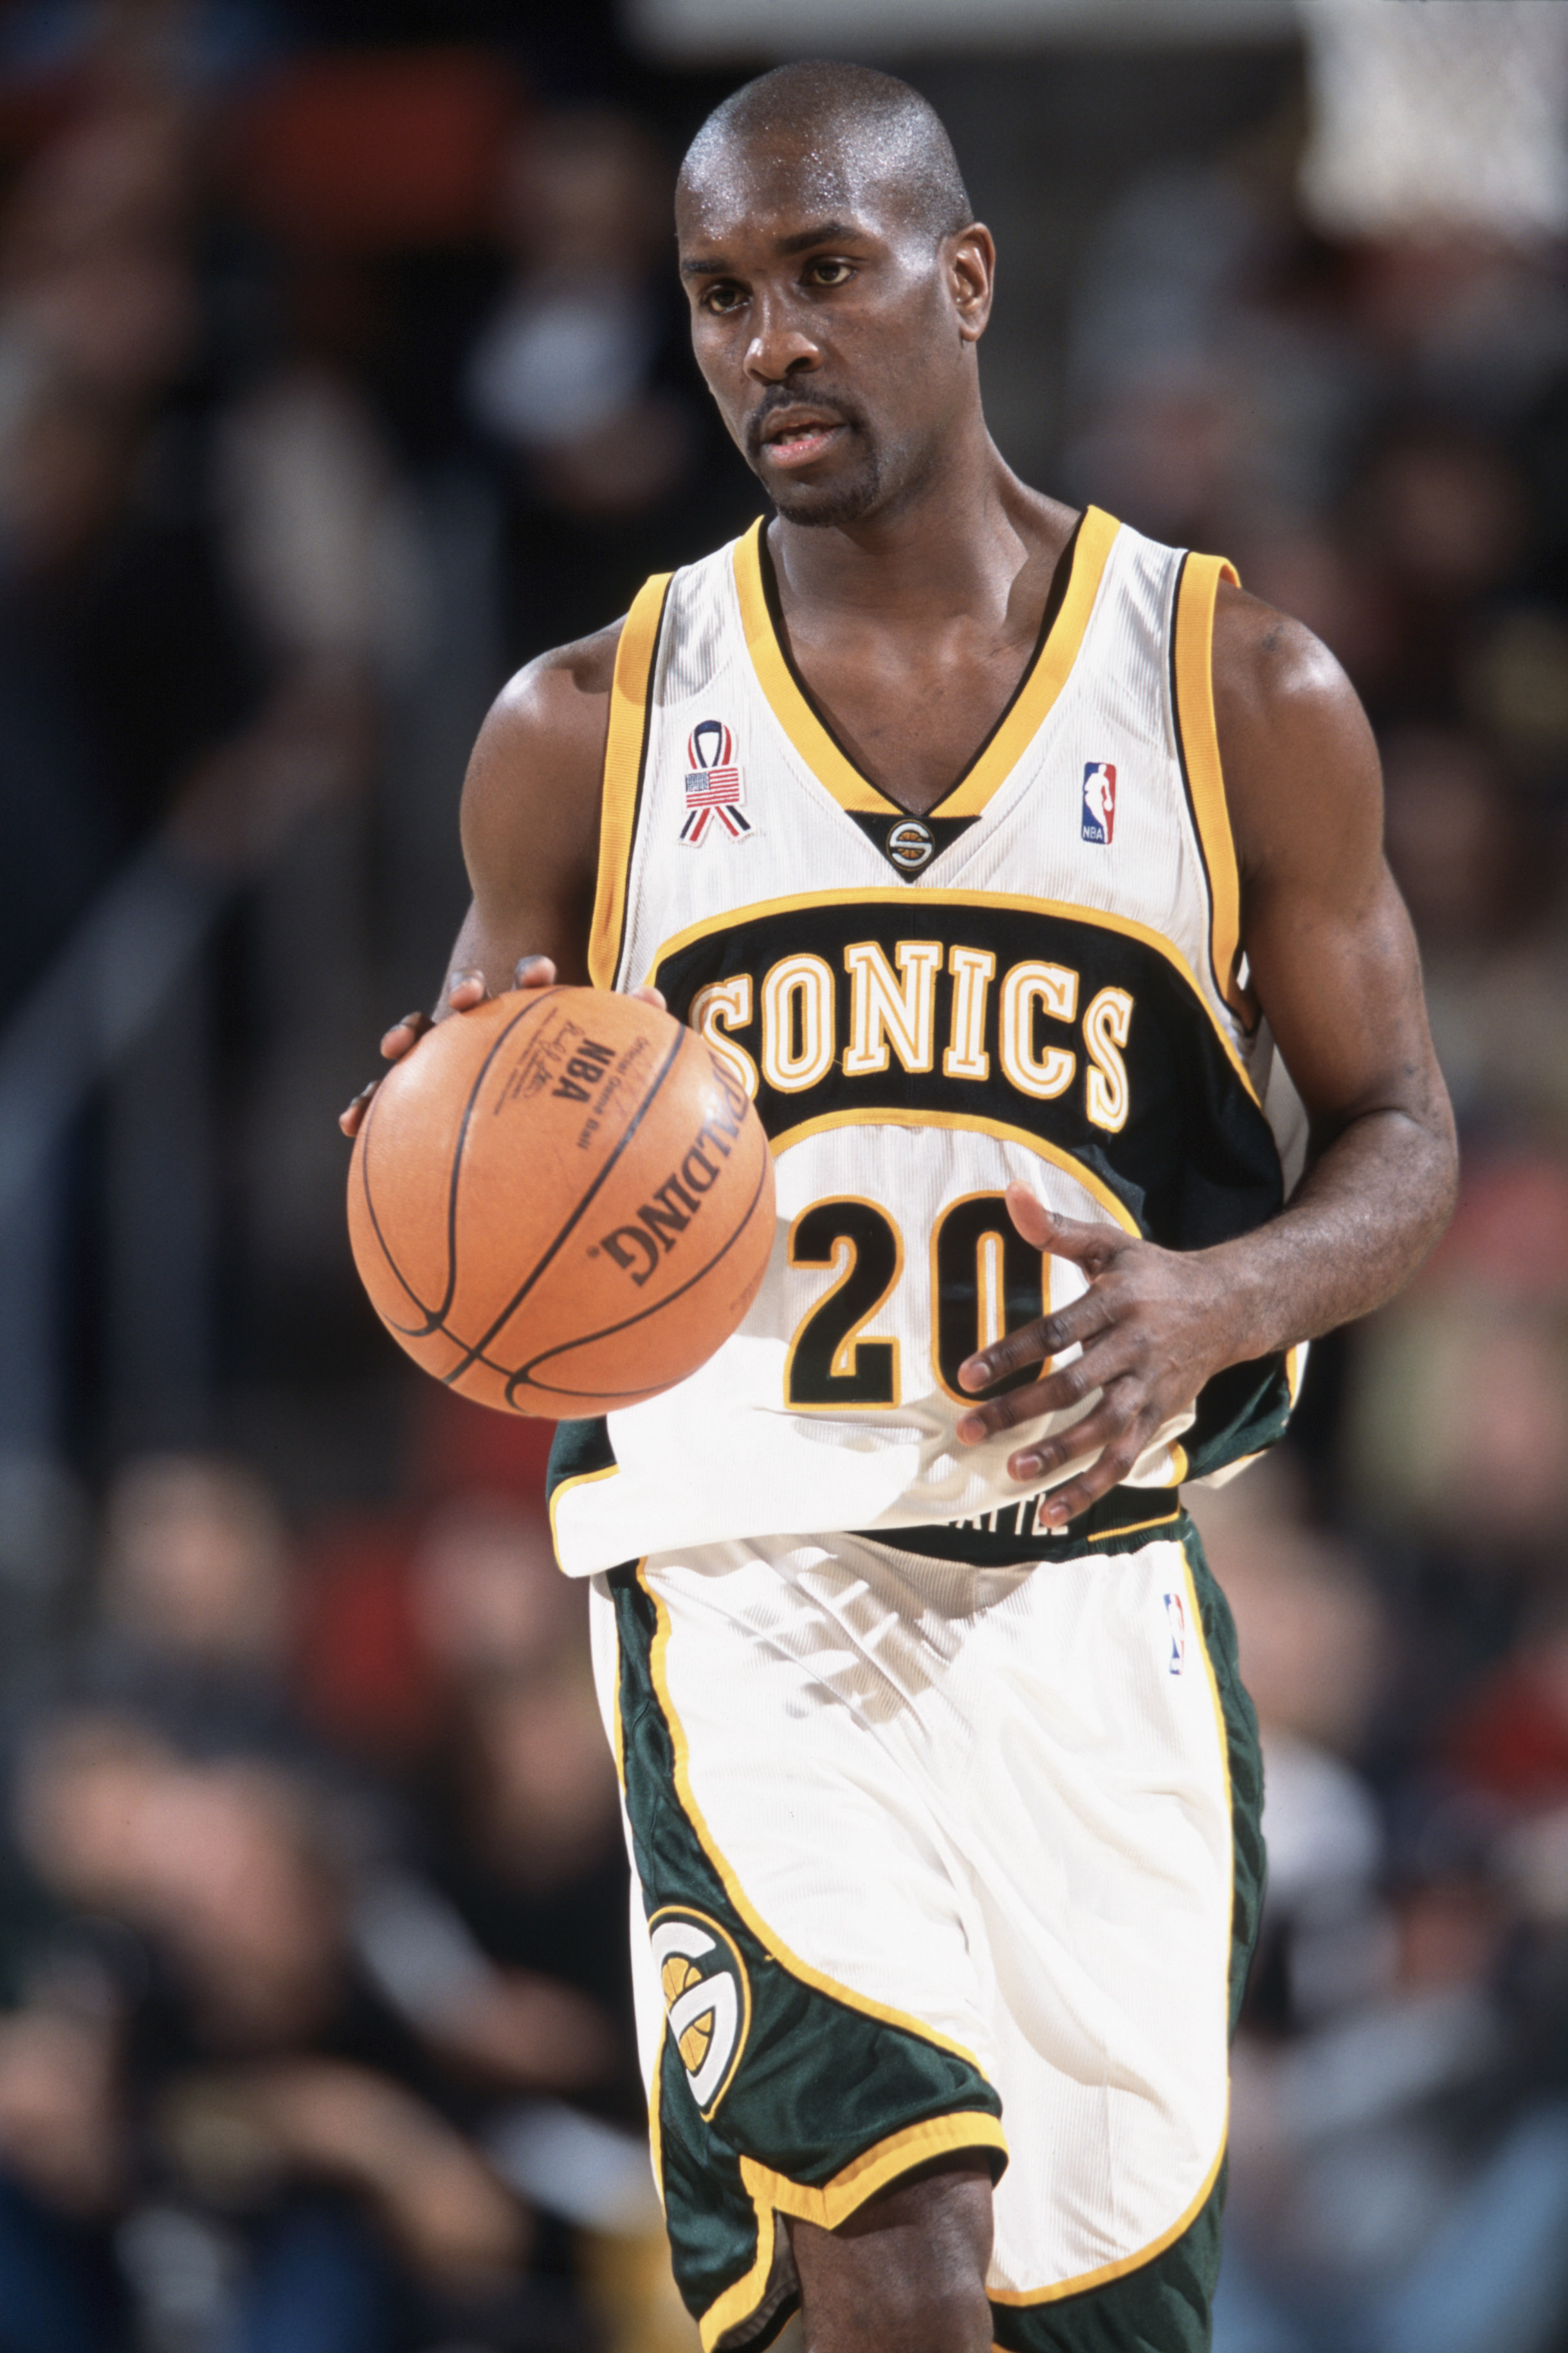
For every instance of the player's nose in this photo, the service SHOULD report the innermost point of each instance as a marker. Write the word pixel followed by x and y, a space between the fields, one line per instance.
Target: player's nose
pixel 779 347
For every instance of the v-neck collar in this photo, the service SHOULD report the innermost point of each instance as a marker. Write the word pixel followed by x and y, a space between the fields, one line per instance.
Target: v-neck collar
pixel 1061 635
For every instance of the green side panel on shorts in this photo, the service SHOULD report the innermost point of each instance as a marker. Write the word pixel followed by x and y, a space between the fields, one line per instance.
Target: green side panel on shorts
pixel 711 2222
pixel 1166 2305
pixel 577 1449
pixel 1246 1757
pixel 817 2082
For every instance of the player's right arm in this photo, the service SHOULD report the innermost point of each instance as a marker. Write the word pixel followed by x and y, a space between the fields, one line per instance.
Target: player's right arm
pixel 530 839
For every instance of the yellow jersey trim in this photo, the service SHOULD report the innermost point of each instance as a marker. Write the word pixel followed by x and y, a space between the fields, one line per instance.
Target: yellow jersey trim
pixel 1047 673
pixel 625 751
pixel 578 1478
pixel 773 2193
pixel 909 896
pixel 973 1123
pixel 655 2100
pixel 1190 2212
pixel 1119 2270
pixel 618 1729
pixel 1135 1527
pixel 1192 667
pixel 731 1885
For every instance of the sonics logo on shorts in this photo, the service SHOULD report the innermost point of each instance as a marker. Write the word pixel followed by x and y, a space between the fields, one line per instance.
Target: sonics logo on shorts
pixel 707 1998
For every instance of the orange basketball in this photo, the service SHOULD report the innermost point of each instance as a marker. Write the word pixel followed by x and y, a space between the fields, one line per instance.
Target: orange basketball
pixel 561 1202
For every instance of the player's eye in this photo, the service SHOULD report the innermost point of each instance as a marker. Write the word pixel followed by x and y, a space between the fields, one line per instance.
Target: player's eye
pixel 723 298
pixel 823 272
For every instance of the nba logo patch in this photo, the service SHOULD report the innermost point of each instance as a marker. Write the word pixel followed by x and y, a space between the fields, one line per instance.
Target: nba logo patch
pixel 1099 821
pixel 713 787
pixel 1176 1623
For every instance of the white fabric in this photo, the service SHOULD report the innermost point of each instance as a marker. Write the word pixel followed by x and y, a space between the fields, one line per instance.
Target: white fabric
pixel 720 1455
pixel 996 1801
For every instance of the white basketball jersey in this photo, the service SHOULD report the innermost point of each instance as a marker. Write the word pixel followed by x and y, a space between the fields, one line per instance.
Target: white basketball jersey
pixel 1040 980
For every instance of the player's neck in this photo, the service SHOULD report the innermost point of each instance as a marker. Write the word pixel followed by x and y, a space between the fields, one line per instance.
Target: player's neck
pixel 956 545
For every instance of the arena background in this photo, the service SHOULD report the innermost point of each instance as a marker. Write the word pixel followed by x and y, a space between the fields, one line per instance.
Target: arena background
pixel 341 368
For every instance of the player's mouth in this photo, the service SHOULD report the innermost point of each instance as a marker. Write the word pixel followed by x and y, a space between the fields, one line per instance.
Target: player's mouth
pixel 796 438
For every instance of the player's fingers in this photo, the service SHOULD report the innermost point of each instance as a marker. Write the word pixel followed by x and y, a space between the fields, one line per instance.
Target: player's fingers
pixel 1071 1327
pixel 465 989
pixel 649 996
pixel 1088 1246
pixel 534 972
pixel 1108 1360
pixel 351 1119
pixel 1075 1496
pixel 1112 1415
pixel 404 1034
pixel 1117 1430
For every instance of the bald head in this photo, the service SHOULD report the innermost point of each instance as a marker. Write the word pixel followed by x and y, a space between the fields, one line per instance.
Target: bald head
pixel 851 130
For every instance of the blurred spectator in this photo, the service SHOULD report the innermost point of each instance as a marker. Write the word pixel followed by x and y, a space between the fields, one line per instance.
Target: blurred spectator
pixel 564 369
pixel 1315 1656
pixel 247 2055
pixel 262 2033
pixel 1457 1420
pixel 194 1607
pixel 1473 856
pixel 578 381
pixel 1395 2184
pixel 521 1805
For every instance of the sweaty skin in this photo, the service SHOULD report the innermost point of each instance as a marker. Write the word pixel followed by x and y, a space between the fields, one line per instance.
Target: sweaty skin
pixel 839 338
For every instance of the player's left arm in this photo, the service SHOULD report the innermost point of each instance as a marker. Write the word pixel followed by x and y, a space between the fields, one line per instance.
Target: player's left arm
pixel 1334 963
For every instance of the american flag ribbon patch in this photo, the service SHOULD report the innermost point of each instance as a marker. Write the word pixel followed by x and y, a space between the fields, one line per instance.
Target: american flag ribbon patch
pixel 713 788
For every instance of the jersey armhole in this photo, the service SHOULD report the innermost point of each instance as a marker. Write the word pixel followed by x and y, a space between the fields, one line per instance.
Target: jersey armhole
pixel 1197 748
pixel 626 756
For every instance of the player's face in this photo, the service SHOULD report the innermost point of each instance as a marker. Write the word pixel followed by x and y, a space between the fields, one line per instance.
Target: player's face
pixel 835 337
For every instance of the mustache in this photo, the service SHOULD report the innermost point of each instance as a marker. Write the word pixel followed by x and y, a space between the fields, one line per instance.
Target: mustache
pixel 782 395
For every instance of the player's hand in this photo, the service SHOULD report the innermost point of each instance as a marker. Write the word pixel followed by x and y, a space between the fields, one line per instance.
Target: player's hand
pixel 465 989
pixel 1151 1327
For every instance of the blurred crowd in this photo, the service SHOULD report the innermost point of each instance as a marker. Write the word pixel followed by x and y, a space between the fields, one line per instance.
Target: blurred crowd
pixel 336 378
pixel 338 375
pixel 313 1936
pixel 1372 420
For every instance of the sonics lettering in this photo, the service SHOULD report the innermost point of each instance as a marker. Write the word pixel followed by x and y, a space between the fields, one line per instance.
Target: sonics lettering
pixel 1080 1033
pixel 1030 1021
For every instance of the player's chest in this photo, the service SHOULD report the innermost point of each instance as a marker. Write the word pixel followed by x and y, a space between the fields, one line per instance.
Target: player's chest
pixel 912 713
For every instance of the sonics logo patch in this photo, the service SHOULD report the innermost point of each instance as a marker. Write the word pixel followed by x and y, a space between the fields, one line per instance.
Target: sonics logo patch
pixel 707 1998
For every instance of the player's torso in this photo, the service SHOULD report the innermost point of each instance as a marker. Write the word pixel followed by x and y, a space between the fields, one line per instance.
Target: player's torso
pixel 1030 983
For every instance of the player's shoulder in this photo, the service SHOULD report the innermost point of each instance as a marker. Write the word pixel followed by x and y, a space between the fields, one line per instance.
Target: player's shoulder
pixel 551 716
pixel 531 798
pixel 1267 665
pixel 1296 750
pixel 557 690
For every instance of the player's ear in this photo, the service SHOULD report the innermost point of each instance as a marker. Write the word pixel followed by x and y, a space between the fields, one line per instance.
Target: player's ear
pixel 969 257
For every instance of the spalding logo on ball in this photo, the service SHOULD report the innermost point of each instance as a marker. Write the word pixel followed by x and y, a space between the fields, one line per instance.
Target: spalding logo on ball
pixel 561 1202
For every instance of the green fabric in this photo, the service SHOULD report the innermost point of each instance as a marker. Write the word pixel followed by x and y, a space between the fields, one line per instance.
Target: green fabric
pixel 578 1448
pixel 1161 2308
pixel 867 2080
pixel 816 2082
pixel 1164 2306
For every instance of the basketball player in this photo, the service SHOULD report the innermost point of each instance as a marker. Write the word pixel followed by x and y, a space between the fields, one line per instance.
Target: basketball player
pixel 1027 874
